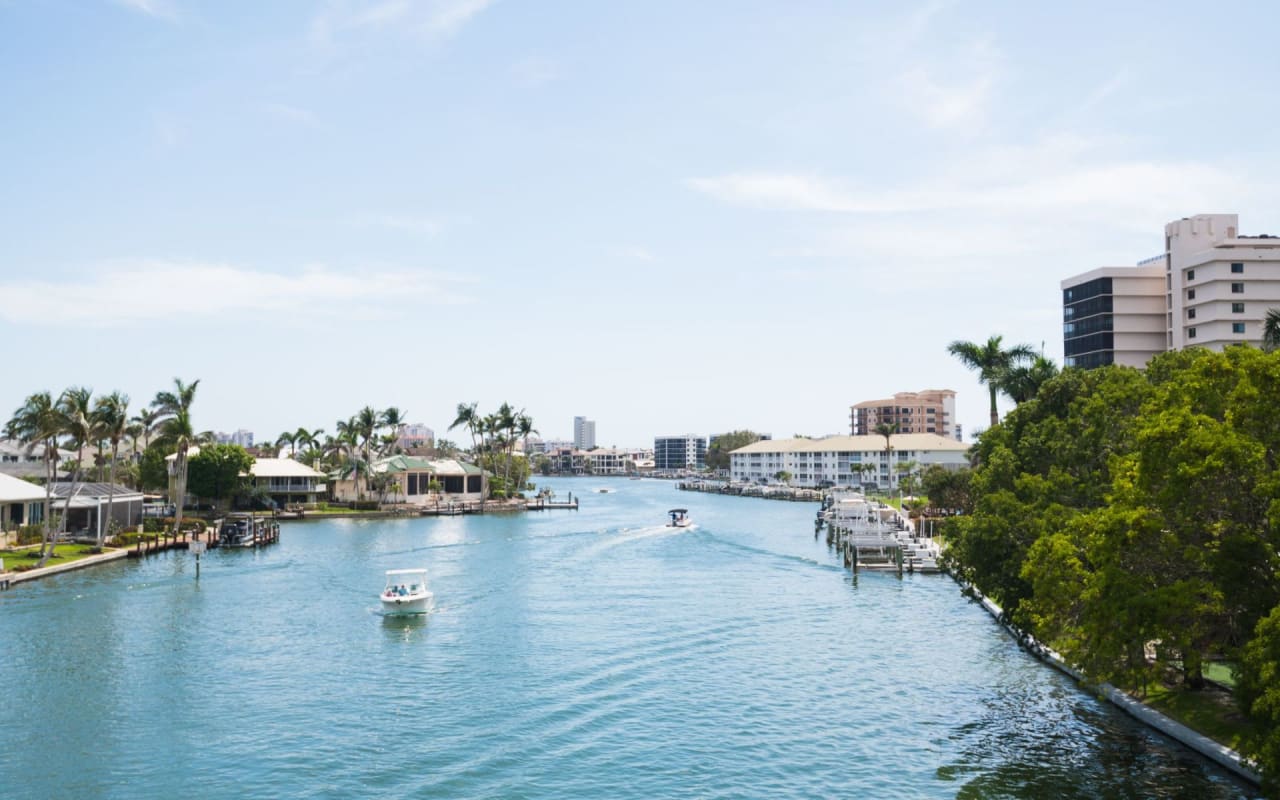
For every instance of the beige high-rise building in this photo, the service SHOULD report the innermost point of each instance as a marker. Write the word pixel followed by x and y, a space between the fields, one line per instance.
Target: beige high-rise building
pixel 1211 287
pixel 929 411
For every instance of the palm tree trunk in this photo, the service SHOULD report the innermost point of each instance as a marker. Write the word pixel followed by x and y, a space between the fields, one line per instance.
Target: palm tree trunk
pixel 179 485
pixel 50 472
pixel 111 494
pixel 995 414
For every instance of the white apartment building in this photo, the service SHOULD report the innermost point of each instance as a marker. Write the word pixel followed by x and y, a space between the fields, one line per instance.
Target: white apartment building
pixel 1211 287
pixel 839 460
pixel 584 433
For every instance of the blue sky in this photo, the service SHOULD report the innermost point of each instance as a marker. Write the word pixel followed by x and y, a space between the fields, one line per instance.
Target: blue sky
pixel 668 217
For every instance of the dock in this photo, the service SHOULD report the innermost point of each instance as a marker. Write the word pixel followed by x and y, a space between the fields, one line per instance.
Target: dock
pixel 869 535
pixel 546 505
pixel 152 543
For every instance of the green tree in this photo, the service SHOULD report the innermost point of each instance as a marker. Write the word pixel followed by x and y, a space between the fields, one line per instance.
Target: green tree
pixel 887 430
pixel 37 423
pixel 219 471
pixel 177 434
pixel 1258 688
pixel 991 362
pixel 153 470
pixel 947 488
pixel 718 452
pixel 782 476
pixel 76 409
pixel 1022 382
pixel 468 418
pixel 111 419
pixel 1271 330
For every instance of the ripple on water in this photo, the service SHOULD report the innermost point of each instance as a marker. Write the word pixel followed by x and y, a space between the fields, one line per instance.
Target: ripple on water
pixel 570 655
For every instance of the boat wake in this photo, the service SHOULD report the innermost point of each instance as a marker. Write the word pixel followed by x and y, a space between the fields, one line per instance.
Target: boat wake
pixel 631 536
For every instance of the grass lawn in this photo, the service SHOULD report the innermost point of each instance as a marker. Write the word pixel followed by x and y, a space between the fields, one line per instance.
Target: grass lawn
pixel 30 556
pixel 1210 711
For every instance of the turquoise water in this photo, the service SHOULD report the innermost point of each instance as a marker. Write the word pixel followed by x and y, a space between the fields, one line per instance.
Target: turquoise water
pixel 570 655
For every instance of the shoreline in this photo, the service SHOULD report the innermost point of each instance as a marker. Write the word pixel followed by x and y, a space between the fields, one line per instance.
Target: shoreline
pixel 1216 752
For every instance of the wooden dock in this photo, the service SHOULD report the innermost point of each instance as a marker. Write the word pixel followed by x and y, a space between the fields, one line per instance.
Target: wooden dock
pixel 152 543
pixel 546 505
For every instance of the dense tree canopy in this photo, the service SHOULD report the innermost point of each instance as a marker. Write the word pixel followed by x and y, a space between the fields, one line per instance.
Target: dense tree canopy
pixel 1131 519
pixel 718 452
pixel 218 471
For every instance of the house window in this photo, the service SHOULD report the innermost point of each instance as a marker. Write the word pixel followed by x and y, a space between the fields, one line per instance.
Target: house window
pixel 1237 268
pixel 1191 294
pixel 1237 288
pixel 1237 327
pixel 1191 333
pixel 1237 308
pixel 1191 313
pixel 1191 274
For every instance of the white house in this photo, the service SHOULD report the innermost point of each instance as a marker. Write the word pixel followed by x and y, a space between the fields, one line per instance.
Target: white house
pixel 843 460
pixel 288 481
pixel 21 503
pixel 413 476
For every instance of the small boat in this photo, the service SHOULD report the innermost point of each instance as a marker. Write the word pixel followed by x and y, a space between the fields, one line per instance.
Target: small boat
pixel 679 518
pixel 605 491
pixel 238 530
pixel 406 592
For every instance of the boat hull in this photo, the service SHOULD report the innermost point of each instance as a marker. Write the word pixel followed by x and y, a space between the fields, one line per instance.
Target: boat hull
pixel 408 604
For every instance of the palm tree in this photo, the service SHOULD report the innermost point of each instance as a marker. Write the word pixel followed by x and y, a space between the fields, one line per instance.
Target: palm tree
pixel 887 430
pixel 149 420
pixel 367 424
pixel 991 363
pixel 76 408
pixel 308 439
pixel 1271 330
pixel 290 439
pixel 347 444
pixel 469 419
pixel 177 432
pixel 394 419
pixel 112 417
pixel 38 423
pixel 1022 382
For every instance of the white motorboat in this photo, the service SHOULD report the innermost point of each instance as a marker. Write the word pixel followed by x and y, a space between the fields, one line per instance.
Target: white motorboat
pixel 605 491
pixel 406 592
pixel 679 518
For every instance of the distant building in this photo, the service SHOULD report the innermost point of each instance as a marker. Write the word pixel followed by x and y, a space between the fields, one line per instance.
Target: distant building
pixel 679 452
pixel 21 503
pixel 844 460
pixel 241 437
pixel 1211 287
pixel 584 433
pixel 416 435
pixel 929 411
pixel 288 482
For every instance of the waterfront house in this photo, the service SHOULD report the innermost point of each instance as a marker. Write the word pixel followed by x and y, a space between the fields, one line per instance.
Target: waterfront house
pixel 20 461
pixel 21 503
pixel 840 460
pixel 288 482
pixel 87 515
pixel 411 478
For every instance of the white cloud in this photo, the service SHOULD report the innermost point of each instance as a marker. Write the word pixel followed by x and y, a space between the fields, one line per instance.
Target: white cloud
pixel 781 191
pixel 161 9
pixel 962 104
pixel 123 293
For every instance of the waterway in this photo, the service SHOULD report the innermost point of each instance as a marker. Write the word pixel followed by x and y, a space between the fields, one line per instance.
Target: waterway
pixel 583 654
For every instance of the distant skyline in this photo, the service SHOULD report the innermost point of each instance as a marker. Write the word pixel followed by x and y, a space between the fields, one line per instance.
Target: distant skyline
pixel 672 217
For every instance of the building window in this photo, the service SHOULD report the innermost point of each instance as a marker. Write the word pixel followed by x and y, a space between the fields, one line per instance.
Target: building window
pixel 1237 327
pixel 1237 268
pixel 1237 288
pixel 1237 308
pixel 1191 274
pixel 1191 333
pixel 1191 313
pixel 1191 294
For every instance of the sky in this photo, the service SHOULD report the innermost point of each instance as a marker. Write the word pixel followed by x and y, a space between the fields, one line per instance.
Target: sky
pixel 668 217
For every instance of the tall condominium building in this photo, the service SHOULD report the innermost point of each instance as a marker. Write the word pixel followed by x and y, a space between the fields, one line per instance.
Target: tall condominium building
pixel 929 411
pixel 1211 287
pixel 241 437
pixel 584 433
pixel 679 452
pixel 416 435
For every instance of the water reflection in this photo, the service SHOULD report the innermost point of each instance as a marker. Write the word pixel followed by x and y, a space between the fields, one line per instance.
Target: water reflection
pixel 405 628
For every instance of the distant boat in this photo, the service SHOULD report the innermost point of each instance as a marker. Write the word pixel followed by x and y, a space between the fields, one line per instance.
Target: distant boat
pixel 605 491
pixel 406 592
pixel 679 518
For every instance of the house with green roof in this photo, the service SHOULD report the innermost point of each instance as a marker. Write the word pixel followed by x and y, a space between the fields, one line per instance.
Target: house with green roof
pixel 411 480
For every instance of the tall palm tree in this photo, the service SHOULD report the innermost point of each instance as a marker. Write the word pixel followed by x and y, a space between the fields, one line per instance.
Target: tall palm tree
pixel 348 445
pixel 991 362
pixel 469 419
pixel 149 420
pixel 1271 330
pixel 76 407
pixel 111 414
pixel 887 430
pixel 38 424
pixel 1022 382
pixel 310 440
pixel 506 422
pixel 290 438
pixel 394 419
pixel 367 423
pixel 177 432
